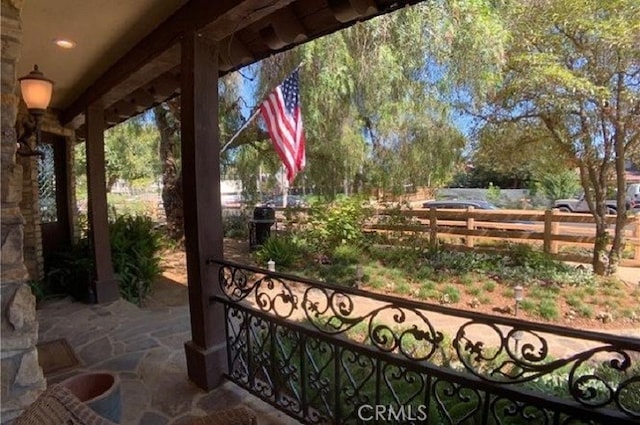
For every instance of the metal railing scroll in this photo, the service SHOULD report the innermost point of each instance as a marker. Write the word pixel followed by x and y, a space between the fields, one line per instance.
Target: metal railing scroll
pixel 329 354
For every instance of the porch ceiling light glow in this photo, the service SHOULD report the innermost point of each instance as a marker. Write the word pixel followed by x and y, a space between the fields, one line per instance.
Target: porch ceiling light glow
pixel 36 91
pixel 65 43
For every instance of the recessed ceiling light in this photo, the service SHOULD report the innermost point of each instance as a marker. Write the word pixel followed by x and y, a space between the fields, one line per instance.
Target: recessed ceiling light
pixel 64 43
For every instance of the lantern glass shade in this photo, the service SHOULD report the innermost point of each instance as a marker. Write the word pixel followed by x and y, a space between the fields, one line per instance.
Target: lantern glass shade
pixel 518 293
pixel 36 91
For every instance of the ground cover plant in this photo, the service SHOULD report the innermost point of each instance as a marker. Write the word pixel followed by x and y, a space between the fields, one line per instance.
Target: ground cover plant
pixel 333 248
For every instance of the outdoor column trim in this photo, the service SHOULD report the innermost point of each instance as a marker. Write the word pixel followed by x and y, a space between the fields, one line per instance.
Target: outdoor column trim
pixel 104 286
pixel 206 352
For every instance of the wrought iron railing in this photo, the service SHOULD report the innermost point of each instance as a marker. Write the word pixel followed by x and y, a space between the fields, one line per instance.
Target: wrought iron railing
pixel 328 354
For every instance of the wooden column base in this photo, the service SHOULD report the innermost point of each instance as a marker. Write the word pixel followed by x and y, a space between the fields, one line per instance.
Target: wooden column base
pixel 206 368
pixel 106 291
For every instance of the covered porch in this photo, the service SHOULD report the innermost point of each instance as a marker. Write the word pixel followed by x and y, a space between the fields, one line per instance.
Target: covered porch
pixel 286 340
pixel 145 349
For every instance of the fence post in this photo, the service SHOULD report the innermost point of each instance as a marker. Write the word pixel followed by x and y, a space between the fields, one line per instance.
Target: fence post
pixel 551 229
pixel 548 220
pixel 471 225
pixel 636 236
pixel 433 228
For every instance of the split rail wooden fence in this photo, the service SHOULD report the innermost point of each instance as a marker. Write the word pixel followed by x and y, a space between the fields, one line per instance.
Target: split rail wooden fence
pixel 472 229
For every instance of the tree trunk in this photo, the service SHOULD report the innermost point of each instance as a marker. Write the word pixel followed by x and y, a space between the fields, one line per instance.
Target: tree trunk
pixel 592 178
pixel 615 255
pixel 171 175
pixel 600 261
pixel 111 180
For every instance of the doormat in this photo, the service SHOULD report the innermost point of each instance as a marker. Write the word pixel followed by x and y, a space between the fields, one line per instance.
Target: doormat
pixel 56 356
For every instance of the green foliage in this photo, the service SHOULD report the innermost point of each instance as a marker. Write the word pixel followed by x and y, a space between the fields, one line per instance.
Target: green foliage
pixel 489 286
pixel 402 257
pixel 548 310
pixel 37 289
pixel 493 193
pixel 135 245
pixel 71 271
pixel 134 249
pixel 346 254
pixel 131 152
pixel 235 226
pixel 282 249
pixel 337 223
pixel 450 295
pixel 558 185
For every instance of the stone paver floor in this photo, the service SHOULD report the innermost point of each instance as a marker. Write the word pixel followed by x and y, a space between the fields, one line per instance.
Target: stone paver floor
pixel 145 348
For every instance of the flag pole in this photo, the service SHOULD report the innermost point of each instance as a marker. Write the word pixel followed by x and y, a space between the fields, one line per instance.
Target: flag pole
pixel 235 136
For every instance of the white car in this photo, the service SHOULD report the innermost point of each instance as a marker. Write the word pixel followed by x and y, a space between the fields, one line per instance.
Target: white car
pixel 580 205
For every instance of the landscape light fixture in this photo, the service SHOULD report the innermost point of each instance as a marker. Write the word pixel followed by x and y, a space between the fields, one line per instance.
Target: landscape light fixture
pixel 518 296
pixel 36 92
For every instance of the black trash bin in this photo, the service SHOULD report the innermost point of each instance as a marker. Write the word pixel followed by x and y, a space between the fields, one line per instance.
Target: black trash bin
pixel 260 227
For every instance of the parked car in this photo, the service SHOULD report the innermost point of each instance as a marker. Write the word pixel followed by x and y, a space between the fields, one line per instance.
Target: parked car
pixel 460 204
pixel 293 201
pixel 464 204
pixel 633 194
pixel 580 205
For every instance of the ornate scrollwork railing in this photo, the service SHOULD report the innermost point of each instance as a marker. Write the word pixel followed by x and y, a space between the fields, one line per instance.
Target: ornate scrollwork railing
pixel 324 353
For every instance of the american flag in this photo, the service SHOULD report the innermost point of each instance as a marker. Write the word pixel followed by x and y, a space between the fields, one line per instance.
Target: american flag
pixel 281 112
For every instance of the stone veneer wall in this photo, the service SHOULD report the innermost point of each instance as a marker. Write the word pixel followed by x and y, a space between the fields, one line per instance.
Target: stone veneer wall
pixel 32 240
pixel 21 379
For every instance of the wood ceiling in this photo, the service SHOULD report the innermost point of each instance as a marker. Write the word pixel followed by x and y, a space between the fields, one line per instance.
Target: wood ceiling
pixel 247 31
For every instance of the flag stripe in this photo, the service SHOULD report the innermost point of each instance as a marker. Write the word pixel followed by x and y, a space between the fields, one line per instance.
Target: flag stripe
pixel 281 144
pixel 281 112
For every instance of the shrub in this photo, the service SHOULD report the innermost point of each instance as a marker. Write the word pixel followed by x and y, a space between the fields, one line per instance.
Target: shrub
pixel 450 294
pixel 134 248
pixel 547 309
pixel 235 226
pixel 337 223
pixel 564 184
pixel 134 252
pixel 489 286
pixel 71 271
pixel 403 288
pixel 283 250
pixel 346 254
pixel 401 257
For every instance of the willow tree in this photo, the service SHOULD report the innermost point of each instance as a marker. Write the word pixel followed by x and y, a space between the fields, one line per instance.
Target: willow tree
pixel 572 67
pixel 372 116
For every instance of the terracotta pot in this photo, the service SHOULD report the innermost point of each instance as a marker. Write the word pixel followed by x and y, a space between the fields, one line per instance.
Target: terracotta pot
pixel 100 391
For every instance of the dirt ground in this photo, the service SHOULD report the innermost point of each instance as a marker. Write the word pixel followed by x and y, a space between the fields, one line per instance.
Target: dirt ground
pixel 171 287
pixel 171 290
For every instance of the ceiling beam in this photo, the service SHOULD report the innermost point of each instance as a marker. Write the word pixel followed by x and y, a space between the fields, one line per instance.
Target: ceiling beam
pixel 218 18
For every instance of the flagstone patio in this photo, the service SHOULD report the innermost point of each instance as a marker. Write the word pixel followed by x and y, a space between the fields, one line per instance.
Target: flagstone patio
pixel 144 347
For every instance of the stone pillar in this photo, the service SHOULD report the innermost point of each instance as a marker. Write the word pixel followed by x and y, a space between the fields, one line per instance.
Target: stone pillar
pixel 21 376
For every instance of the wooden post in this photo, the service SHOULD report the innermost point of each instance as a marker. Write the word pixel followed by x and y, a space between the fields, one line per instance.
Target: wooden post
pixel 555 230
pixel 206 352
pixel 551 228
pixel 636 236
pixel 433 228
pixel 548 217
pixel 471 225
pixel 104 286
